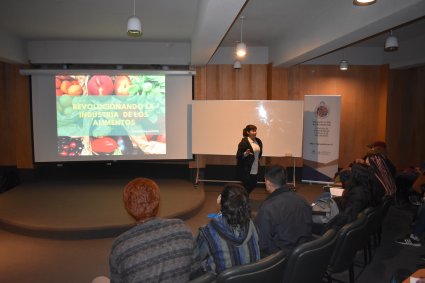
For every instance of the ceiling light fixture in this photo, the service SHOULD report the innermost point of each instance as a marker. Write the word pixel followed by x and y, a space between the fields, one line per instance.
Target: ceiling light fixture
pixel 134 26
pixel 363 2
pixel 343 65
pixel 237 65
pixel 391 43
pixel 241 46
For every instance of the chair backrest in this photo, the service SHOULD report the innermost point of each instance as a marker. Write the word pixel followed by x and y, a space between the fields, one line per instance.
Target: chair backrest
pixel 309 261
pixel 350 238
pixel 268 269
pixel 387 202
pixel 373 218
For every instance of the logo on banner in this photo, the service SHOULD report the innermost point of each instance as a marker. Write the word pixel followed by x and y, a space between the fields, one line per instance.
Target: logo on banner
pixel 322 110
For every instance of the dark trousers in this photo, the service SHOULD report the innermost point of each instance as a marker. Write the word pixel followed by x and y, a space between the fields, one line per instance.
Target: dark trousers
pixel 420 222
pixel 249 182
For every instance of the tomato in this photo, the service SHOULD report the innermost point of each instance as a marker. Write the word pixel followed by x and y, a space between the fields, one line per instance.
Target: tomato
pixel 104 145
pixel 160 138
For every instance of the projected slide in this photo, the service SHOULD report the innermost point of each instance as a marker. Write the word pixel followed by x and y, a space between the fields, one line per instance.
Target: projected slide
pixel 117 115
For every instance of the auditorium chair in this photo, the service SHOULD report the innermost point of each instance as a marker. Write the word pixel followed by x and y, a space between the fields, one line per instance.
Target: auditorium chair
pixel 387 202
pixel 208 277
pixel 351 238
pixel 308 262
pixel 268 269
pixel 373 217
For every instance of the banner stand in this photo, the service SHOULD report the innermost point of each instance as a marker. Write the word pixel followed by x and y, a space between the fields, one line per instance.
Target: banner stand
pixel 321 138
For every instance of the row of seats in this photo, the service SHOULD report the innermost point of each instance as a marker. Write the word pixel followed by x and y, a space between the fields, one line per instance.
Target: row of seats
pixel 329 254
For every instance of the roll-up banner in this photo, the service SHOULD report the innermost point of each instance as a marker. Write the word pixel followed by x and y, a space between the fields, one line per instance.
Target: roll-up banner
pixel 321 138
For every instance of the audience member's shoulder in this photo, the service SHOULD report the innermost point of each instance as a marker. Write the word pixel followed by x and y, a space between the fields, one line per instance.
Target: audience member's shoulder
pixel 175 222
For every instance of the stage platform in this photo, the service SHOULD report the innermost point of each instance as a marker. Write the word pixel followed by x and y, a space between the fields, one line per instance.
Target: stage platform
pixel 86 209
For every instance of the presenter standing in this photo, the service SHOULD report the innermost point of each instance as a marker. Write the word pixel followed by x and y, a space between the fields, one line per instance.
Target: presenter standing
pixel 250 149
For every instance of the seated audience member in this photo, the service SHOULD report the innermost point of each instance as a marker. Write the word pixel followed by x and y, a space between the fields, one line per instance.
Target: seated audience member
pixel 342 177
pixel 384 169
pixel 358 195
pixel 155 250
pixel 411 184
pixel 383 174
pixel 414 238
pixel 418 185
pixel 284 219
pixel 230 238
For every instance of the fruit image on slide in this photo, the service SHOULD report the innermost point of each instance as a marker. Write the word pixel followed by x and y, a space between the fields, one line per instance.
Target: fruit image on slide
pixel 110 115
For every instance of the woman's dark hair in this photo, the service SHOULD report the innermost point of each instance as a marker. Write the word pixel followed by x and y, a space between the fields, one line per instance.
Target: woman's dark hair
pixel 235 205
pixel 360 175
pixel 247 129
pixel 363 175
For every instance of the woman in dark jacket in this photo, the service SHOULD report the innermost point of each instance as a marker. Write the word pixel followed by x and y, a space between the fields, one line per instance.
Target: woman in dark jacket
pixel 250 149
pixel 356 197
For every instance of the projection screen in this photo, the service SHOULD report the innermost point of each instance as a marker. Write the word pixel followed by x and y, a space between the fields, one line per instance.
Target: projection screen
pixel 111 115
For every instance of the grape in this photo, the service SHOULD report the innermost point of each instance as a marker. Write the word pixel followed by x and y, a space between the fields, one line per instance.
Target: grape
pixel 68 146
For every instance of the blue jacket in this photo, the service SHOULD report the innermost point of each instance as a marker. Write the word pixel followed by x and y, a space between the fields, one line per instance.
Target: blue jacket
pixel 222 246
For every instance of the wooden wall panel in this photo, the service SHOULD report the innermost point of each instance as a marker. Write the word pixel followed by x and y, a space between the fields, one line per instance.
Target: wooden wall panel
pixel 406 117
pixel 23 136
pixel 7 117
pixel 226 83
pixel 15 122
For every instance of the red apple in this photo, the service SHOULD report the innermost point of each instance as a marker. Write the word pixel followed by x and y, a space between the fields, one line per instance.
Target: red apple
pixel 100 85
pixel 121 85
pixel 160 138
pixel 58 83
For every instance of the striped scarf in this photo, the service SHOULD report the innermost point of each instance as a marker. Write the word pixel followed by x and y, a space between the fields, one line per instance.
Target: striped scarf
pixel 225 251
pixel 382 173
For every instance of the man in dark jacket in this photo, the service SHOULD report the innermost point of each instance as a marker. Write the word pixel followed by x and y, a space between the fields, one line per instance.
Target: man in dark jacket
pixel 284 220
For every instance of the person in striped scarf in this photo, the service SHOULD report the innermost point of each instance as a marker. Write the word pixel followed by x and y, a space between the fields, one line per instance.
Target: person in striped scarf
pixel 385 171
pixel 230 238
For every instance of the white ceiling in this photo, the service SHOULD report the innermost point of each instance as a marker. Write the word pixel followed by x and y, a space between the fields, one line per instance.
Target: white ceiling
pixel 294 30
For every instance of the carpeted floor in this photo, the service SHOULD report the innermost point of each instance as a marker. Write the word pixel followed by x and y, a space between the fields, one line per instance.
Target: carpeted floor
pixel 41 260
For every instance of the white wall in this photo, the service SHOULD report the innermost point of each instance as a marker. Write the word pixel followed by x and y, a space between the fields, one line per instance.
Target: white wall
pixel 108 52
pixel 12 49
pixel 144 53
